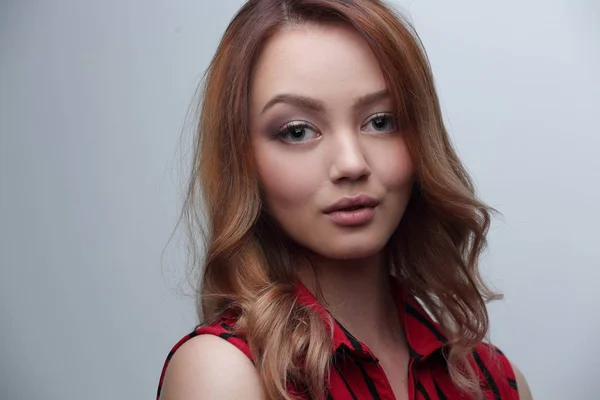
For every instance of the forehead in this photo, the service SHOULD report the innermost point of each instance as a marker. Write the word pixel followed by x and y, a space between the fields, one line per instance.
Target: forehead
pixel 329 61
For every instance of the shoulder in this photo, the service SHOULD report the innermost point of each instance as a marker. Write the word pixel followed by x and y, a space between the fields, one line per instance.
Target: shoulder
pixel 210 367
pixel 500 374
pixel 522 385
pixel 212 362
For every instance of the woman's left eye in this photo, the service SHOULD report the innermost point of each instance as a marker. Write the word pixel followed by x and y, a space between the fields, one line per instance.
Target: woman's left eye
pixel 382 122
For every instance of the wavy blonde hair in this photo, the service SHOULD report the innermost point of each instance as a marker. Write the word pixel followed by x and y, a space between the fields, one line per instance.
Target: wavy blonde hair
pixel 248 266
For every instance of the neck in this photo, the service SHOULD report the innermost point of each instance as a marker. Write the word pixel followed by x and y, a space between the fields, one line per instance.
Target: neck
pixel 357 293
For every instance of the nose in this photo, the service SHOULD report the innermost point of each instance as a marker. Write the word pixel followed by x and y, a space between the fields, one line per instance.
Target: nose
pixel 349 161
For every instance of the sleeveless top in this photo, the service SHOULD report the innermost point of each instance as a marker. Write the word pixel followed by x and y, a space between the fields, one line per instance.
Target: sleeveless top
pixel 356 373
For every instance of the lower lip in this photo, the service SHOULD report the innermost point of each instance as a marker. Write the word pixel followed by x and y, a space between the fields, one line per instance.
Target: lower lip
pixel 352 218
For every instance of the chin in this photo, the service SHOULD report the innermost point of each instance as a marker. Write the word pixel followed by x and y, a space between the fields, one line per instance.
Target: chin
pixel 350 251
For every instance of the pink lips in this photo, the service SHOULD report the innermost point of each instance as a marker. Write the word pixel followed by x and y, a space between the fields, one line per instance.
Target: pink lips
pixel 352 211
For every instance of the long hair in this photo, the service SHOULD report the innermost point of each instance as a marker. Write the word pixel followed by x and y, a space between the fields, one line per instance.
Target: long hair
pixel 248 265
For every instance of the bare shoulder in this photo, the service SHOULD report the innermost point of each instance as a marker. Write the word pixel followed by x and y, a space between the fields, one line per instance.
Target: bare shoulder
pixel 208 367
pixel 524 391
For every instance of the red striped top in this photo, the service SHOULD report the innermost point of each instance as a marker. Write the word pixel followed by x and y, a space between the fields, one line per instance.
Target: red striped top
pixel 356 373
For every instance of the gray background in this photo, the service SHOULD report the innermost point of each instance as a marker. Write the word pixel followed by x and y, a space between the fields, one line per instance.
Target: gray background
pixel 93 95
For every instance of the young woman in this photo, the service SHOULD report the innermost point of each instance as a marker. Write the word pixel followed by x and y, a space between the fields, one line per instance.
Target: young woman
pixel 344 232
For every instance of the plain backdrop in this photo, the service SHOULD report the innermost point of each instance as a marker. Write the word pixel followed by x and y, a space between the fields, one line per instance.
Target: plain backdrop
pixel 93 95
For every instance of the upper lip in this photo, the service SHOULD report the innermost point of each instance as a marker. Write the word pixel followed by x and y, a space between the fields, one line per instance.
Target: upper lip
pixel 361 200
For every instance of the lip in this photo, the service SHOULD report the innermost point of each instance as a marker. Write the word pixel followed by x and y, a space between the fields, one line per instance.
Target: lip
pixel 343 204
pixel 359 217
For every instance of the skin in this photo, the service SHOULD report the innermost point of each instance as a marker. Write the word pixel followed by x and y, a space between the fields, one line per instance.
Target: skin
pixel 344 150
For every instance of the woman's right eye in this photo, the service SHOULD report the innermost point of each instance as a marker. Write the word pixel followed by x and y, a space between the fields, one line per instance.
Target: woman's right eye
pixel 297 132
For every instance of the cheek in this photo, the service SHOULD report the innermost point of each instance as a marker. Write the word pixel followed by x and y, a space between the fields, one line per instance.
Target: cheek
pixel 394 167
pixel 288 181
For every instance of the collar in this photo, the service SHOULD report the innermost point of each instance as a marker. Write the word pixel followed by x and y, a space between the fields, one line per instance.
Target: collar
pixel 423 335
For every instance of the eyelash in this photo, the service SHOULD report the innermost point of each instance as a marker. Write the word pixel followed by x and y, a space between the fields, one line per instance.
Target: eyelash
pixel 390 116
pixel 290 126
pixel 287 128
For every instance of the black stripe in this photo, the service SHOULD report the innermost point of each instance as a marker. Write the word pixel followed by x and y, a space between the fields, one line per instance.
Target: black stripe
pixel 226 327
pixel 345 382
pixel 329 396
pixel 353 341
pixel 229 333
pixel 439 391
pixel 226 335
pixel 419 317
pixel 306 392
pixel 513 384
pixel 488 376
pixel 413 354
pixel 368 380
pixel 421 389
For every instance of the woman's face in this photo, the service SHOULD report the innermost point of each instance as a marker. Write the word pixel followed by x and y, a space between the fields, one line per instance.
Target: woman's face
pixel 322 130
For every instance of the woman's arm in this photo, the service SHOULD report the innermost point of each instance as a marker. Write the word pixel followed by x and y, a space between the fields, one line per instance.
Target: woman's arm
pixel 524 391
pixel 208 367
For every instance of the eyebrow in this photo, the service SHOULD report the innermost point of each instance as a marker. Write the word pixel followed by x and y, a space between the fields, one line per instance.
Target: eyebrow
pixel 311 104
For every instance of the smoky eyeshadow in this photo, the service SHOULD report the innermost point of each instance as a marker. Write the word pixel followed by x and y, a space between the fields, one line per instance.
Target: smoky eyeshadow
pixel 275 123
